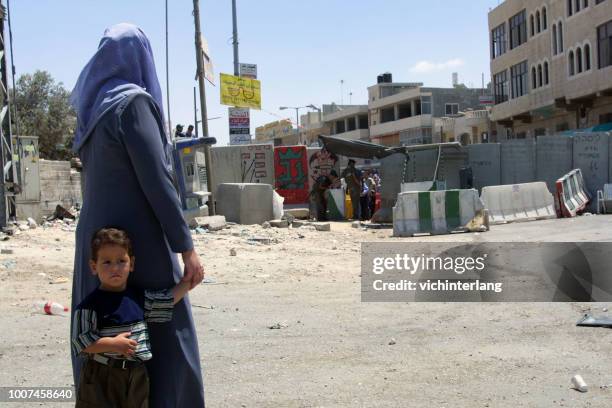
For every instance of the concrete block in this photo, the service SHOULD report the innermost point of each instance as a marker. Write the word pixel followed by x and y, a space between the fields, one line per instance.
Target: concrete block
pixel 279 223
pixel 245 203
pixel 299 213
pixel 298 223
pixel 211 223
pixel 322 226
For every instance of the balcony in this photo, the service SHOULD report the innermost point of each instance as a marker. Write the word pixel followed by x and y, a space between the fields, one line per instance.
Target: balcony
pixel 358 134
pixel 402 124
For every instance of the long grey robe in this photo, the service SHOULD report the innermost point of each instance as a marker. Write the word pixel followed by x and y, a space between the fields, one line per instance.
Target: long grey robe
pixel 128 184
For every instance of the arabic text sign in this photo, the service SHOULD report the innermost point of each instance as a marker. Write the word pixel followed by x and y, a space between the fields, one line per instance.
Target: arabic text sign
pixel 240 92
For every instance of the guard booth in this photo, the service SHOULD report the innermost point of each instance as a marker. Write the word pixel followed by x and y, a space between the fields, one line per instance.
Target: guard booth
pixel 190 170
pixel 26 160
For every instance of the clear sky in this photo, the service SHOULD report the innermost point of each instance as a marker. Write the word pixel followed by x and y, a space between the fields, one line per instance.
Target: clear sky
pixel 302 49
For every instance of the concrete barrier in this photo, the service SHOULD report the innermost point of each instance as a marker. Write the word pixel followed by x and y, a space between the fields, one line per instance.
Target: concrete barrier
pixel 572 196
pixel 245 203
pixel 335 204
pixel 438 212
pixel 518 202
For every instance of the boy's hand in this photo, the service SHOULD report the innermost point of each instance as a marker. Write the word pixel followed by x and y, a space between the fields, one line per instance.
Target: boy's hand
pixel 125 345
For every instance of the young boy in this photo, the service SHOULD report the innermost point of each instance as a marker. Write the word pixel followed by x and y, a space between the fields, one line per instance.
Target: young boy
pixel 110 326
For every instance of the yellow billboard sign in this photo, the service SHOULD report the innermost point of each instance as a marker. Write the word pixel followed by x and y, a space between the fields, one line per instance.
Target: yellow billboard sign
pixel 240 92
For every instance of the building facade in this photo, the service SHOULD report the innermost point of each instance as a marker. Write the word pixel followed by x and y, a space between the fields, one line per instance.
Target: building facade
pixel 551 66
pixel 280 132
pixel 404 113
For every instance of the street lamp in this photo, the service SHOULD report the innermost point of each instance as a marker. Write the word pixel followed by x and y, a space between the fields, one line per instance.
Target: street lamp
pixel 297 118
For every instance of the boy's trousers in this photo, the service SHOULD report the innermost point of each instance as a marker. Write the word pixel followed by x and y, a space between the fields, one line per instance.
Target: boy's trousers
pixel 105 386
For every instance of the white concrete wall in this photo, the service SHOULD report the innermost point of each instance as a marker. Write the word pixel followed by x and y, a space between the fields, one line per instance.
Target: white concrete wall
pixel 59 184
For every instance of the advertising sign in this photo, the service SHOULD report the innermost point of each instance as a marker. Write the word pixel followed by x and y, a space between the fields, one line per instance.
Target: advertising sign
pixel 240 92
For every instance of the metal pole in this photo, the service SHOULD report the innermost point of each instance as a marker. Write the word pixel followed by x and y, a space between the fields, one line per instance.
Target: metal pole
pixel 168 79
pixel 195 111
pixel 200 62
pixel 297 124
pixel 235 42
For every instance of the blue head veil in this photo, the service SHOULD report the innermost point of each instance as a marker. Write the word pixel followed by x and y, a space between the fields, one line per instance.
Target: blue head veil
pixel 122 66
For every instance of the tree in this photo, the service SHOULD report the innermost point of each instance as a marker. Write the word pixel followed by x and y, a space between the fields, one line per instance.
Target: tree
pixel 43 110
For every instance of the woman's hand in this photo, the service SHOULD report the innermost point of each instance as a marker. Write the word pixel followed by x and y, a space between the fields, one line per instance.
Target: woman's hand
pixel 194 271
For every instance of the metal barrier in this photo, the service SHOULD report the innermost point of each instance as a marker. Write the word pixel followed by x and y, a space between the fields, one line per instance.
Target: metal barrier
pixel 438 212
pixel 572 196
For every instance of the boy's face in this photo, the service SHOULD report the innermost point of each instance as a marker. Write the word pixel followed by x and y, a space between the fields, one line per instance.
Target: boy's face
pixel 112 267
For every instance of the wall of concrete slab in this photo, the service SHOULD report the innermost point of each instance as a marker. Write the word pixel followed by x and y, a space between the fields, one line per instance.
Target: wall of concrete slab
pixel 59 184
pixel 243 164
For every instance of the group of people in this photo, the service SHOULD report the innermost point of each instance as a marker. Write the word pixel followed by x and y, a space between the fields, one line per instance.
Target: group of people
pixel 360 185
pixel 178 132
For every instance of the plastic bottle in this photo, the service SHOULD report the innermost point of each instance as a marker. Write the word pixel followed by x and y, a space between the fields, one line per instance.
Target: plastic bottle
pixel 50 308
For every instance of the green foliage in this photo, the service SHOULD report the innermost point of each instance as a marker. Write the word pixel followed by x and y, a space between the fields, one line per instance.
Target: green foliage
pixel 43 110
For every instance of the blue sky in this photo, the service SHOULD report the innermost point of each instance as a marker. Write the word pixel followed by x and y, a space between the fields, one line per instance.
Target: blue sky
pixel 302 49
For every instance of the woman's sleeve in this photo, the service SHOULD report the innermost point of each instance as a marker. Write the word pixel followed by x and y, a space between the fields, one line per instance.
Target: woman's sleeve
pixel 144 142
pixel 85 329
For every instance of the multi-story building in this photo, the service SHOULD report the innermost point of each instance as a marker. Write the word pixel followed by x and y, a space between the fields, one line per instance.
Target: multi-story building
pixel 281 132
pixel 403 113
pixel 551 65
pixel 470 127
pixel 347 121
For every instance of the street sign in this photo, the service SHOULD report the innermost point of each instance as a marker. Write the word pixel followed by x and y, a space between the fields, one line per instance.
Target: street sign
pixel 209 72
pixel 248 71
pixel 239 126
pixel 486 100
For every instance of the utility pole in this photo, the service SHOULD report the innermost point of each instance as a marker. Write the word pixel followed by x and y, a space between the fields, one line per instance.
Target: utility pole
pixel 235 42
pixel 200 62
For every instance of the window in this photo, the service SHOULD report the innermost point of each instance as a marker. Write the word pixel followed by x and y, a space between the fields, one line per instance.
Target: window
pixel 560 36
pixel 579 60
pixel 351 124
pixel 405 110
pixel 544 19
pixel 546 80
pixel 587 57
pixel 518 79
pixel 577 2
pixel 570 8
pixel 605 118
pixel 340 126
pixel 387 115
pixel 599 1
pixel 538 22
pixel 585 4
pixel 531 25
pixel 417 107
pixel 500 87
pixel 540 76
pixel 554 36
pixel 363 121
pixel 571 63
pixel 604 42
pixel 518 29
pixel 426 105
pixel 534 82
pixel 498 41
pixel 451 108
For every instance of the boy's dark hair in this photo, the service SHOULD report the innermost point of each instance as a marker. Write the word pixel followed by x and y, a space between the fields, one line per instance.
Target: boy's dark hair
pixel 110 236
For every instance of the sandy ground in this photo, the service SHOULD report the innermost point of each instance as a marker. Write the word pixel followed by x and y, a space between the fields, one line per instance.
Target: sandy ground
pixel 331 350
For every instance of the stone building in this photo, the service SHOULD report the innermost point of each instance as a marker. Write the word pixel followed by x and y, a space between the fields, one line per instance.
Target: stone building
pixel 551 66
